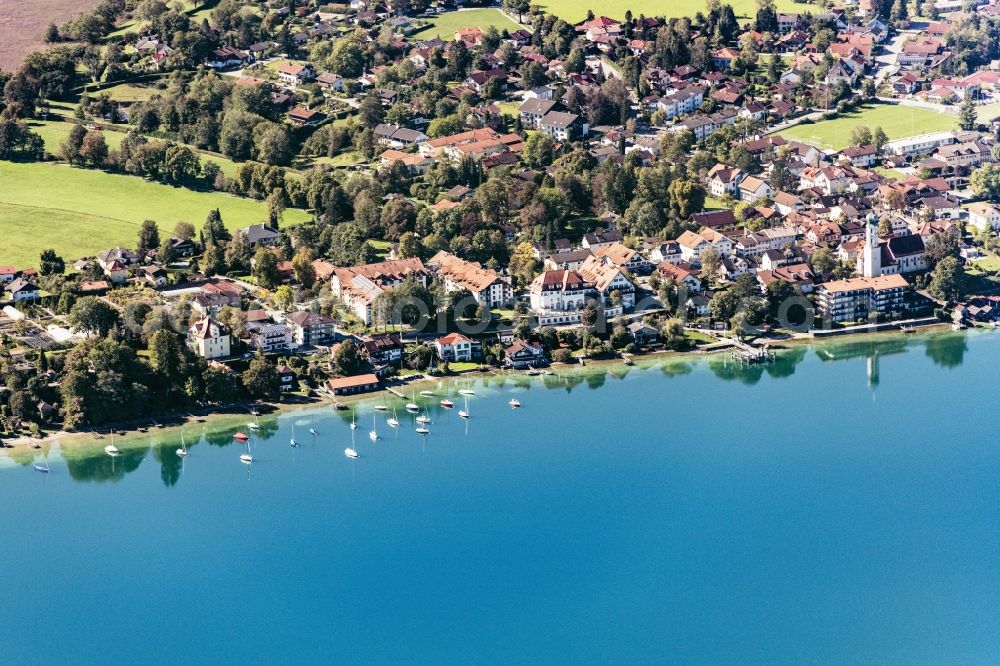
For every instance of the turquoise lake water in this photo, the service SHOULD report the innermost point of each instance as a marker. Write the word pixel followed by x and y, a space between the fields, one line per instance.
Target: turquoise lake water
pixel 839 506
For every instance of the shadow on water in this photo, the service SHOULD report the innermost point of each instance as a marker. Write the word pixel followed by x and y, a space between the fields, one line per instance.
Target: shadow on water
pixel 947 349
pixel 100 467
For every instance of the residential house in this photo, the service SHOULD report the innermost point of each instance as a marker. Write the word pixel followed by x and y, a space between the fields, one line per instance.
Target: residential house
pixel 625 257
pixel 983 215
pixel 521 355
pixel 311 328
pixel 485 285
pixel 21 290
pixel 260 235
pixel 723 180
pixel 386 349
pixel 753 189
pixel 563 126
pixel 534 109
pixel 557 296
pixel 268 337
pixel 454 348
pixel 598 239
pixel 293 74
pixel 358 287
pixel 208 339
pixel 351 385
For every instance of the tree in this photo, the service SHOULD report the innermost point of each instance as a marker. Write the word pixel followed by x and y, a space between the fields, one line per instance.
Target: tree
pixel 710 263
pixel 943 245
pixel 261 379
pixel 822 261
pixel 967 117
pixel 184 230
pixel 284 297
pixel 986 181
pixel 517 6
pixel 69 148
pixel 947 280
pixel 220 385
pixel 265 268
pixel 861 136
pixel 539 150
pixel 50 263
pixel 91 315
pixel 305 272
pixel 346 358
pixel 149 236
pixel 879 139
pixel 409 246
pixel 900 12
pixel 94 149
pixel 673 335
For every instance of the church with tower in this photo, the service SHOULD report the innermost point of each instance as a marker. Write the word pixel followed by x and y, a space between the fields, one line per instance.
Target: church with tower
pixel 897 255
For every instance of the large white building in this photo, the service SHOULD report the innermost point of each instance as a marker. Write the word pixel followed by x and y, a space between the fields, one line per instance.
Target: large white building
pixel 208 338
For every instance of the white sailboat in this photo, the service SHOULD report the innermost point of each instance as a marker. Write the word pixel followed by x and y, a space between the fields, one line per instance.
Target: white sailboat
pixel 44 466
pixel 514 403
pixel 254 425
pixel 111 449
pixel 354 423
pixel 182 452
pixel 423 430
pixel 466 392
pixel 351 453
pixel 373 434
pixel 424 418
pixel 427 394
pixel 246 458
pixel 465 412
pixel 392 421
pixel 312 431
pixel 292 441
pixel 412 406
pixel 384 407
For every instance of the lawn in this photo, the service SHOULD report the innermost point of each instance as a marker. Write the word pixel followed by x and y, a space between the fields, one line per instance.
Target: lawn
pixel 897 121
pixel 129 92
pixel 445 25
pixel 80 212
pixel 575 11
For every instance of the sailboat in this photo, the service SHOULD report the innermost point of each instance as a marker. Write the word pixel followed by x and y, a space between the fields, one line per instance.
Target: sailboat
pixel 373 434
pixel 351 453
pixel 312 431
pixel 447 404
pixel 514 403
pixel 465 412
pixel 254 425
pixel 354 423
pixel 44 467
pixel 412 406
pixel 383 407
pixel 246 458
pixel 423 430
pixel 392 421
pixel 292 440
pixel 466 392
pixel 182 452
pixel 111 449
pixel 427 394
pixel 423 418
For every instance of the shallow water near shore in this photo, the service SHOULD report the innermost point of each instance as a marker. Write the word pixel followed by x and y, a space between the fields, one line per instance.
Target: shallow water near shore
pixel 839 505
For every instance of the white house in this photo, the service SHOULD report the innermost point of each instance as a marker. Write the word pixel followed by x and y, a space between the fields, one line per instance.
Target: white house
pixel 208 338
pixel 454 347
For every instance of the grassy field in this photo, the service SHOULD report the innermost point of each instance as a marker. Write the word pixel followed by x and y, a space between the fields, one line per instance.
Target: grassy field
pixel 81 211
pixel 128 92
pixel 897 121
pixel 575 11
pixel 445 25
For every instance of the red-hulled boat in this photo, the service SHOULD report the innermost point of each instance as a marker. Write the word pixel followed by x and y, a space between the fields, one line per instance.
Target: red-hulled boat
pixel 241 437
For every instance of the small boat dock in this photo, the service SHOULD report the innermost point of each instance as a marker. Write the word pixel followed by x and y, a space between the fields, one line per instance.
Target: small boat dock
pixel 747 355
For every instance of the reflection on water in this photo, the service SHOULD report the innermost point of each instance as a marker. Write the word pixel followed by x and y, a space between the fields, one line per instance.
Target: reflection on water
pixel 90 463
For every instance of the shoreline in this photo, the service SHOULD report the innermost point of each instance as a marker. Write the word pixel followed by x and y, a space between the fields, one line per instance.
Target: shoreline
pixel 233 417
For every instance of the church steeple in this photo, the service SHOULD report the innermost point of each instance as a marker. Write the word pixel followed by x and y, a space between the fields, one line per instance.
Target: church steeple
pixel 871 258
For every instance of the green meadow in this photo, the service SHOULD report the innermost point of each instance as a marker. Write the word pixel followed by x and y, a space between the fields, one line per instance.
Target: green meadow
pixel 574 11
pixel 80 212
pixel 445 25
pixel 896 120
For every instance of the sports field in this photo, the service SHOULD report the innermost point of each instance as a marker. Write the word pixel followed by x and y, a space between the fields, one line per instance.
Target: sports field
pixel 575 11
pixel 82 211
pixel 445 25
pixel 896 120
